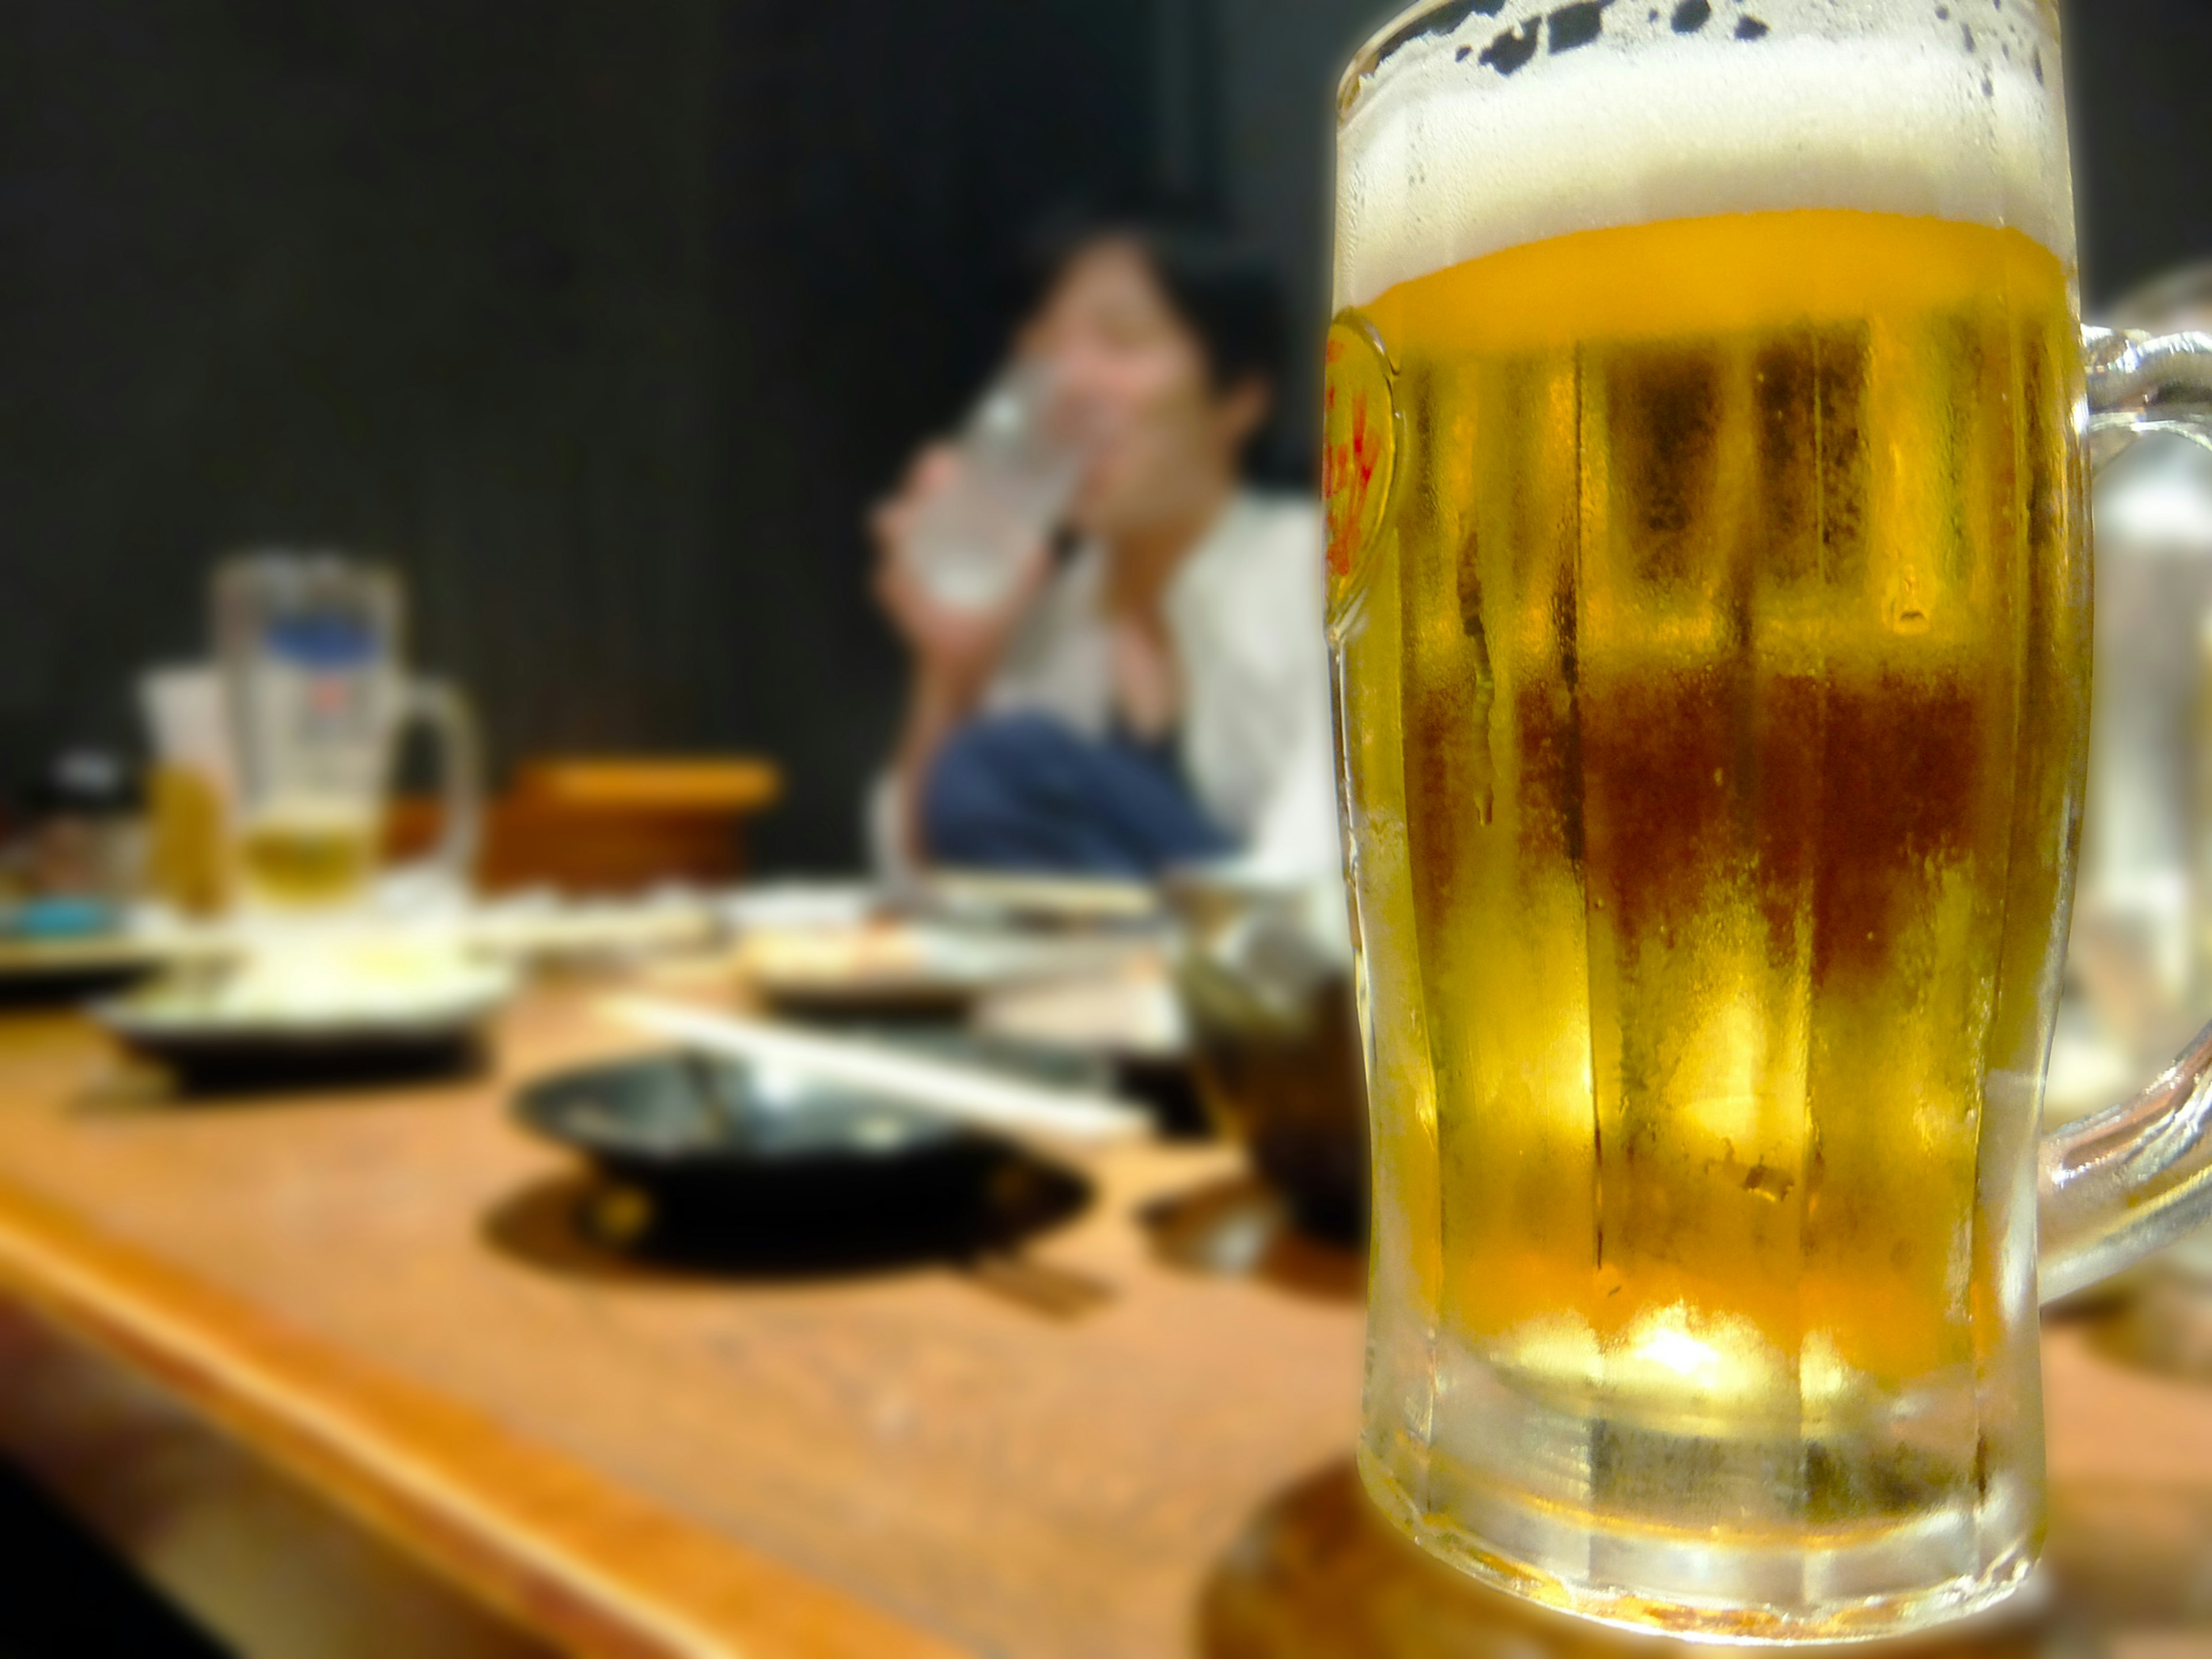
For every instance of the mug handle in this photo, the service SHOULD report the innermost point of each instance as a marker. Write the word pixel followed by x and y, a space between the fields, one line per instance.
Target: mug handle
pixel 2136 1176
pixel 451 864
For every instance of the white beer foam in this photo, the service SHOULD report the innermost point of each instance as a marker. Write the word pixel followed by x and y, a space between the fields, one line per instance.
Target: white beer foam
pixel 1442 160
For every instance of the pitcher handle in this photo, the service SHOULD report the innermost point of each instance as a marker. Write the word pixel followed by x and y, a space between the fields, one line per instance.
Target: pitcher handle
pixel 2138 1177
pixel 451 864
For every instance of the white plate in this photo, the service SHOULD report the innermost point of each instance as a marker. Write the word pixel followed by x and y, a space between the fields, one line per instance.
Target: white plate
pixel 298 992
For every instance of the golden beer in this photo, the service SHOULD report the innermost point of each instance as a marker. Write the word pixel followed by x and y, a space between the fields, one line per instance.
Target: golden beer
pixel 308 861
pixel 1712 671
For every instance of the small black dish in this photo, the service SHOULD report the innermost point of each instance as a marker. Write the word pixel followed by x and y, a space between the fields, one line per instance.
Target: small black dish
pixel 203 1065
pixel 703 1161
pixel 44 977
pixel 208 1054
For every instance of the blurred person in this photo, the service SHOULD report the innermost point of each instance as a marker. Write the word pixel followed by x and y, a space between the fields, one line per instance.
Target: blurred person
pixel 1160 695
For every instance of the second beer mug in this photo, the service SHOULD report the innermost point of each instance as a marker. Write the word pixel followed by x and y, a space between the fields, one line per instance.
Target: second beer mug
pixel 1710 600
pixel 312 671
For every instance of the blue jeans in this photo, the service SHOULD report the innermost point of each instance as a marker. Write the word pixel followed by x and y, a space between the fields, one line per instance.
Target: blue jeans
pixel 1024 793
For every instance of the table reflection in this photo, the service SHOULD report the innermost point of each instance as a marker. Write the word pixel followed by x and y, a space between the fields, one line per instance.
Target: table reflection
pixel 1318 1574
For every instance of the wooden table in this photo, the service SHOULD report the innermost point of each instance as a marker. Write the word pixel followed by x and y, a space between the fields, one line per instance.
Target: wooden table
pixel 1043 1457
pixel 377 1291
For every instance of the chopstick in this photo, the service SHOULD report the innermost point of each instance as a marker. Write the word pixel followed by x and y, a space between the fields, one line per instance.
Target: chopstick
pixel 967 1094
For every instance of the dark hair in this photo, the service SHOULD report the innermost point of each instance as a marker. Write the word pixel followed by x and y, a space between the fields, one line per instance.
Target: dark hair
pixel 1224 292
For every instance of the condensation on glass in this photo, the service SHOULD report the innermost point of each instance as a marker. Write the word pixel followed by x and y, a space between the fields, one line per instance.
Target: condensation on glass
pixel 1705 453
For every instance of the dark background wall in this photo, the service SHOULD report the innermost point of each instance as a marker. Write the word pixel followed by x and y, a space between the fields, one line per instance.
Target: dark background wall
pixel 604 322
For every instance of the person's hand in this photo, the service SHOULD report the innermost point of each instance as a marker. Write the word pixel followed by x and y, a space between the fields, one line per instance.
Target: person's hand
pixel 956 649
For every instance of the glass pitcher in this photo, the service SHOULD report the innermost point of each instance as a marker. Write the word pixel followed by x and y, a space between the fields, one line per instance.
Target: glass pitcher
pixel 1708 426
pixel 316 694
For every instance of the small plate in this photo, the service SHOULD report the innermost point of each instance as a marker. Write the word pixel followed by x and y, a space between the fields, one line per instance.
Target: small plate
pixel 189 1023
pixel 908 971
pixel 1067 901
pixel 44 973
pixel 707 1157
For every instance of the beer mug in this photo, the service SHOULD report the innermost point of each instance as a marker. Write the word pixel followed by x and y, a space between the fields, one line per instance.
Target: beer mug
pixel 1707 432
pixel 2140 952
pixel 311 666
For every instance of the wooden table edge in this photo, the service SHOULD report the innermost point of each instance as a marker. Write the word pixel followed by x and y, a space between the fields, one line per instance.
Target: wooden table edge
pixel 545 1542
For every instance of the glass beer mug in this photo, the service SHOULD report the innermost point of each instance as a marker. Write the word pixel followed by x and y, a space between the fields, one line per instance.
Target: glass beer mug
pixel 1707 433
pixel 316 694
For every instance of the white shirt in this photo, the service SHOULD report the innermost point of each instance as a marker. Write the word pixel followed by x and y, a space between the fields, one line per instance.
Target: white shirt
pixel 1244 619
